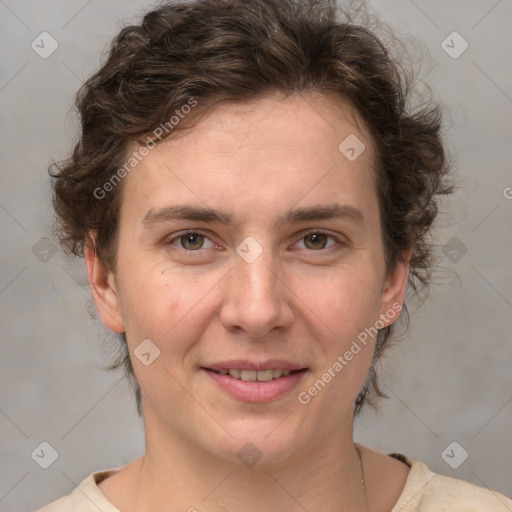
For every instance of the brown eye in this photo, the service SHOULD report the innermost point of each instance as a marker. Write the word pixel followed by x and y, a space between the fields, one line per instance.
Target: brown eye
pixel 316 240
pixel 191 241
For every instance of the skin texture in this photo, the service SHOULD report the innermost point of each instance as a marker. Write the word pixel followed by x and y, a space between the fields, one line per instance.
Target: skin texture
pixel 297 301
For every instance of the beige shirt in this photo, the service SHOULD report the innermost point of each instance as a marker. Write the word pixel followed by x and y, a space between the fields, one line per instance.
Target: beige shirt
pixel 424 491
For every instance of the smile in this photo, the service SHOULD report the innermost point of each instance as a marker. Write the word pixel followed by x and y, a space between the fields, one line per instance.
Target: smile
pixel 253 376
pixel 252 382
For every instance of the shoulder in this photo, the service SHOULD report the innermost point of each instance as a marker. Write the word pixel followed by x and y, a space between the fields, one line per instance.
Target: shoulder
pixel 86 497
pixel 426 491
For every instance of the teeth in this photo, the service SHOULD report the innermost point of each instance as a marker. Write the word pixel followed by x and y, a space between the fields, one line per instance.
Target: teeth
pixel 234 373
pixel 248 375
pixel 253 375
pixel 265 375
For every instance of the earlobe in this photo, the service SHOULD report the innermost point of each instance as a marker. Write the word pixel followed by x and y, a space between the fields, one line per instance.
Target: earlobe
pixel 103 289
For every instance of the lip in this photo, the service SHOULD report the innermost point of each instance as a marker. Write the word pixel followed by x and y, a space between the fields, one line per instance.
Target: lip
pixel 256 391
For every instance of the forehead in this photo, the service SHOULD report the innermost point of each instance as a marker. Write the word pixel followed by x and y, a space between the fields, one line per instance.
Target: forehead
pixel 259 155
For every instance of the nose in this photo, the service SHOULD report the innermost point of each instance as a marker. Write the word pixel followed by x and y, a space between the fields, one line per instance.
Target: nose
pixel 256 298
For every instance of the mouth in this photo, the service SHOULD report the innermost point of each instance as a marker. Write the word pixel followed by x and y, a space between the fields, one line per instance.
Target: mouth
pixel 255 382
pixel 253 375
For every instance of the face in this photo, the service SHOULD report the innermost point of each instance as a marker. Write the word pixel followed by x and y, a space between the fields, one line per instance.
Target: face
pixel 250 256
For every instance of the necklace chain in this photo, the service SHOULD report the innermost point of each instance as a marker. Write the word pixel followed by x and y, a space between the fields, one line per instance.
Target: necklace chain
pixel 359 459
pixel 363 480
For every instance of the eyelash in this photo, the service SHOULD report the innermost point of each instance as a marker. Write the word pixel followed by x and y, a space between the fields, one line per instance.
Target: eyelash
pixel 171 241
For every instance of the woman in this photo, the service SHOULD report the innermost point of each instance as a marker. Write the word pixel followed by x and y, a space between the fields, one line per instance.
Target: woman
pixel 252 194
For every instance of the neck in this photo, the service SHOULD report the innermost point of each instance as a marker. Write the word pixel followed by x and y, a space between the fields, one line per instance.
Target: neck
pixel 175 474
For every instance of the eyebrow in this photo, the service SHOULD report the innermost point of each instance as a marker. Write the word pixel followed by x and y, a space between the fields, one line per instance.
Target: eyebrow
pixel 204 214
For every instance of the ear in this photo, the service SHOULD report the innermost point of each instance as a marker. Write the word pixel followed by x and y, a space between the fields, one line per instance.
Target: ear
pixel 393 291
pixel 103 289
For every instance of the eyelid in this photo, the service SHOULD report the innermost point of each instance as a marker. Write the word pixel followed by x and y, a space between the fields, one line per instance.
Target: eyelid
pixel 340 241
pixel 180 234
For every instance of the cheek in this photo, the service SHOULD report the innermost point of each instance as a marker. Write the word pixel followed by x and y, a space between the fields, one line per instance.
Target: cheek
pixel 164 304
pixel 154 312
pixel 350 311
pixel 349 306
pixel 347 302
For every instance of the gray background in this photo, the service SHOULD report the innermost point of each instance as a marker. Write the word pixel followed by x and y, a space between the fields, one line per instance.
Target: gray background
pixel 450 380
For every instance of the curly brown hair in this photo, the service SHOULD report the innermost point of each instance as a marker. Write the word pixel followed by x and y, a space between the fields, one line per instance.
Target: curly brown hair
pixel 215 51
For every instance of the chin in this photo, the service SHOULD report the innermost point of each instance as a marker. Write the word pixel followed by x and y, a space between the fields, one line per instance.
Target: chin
pixel 261 444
